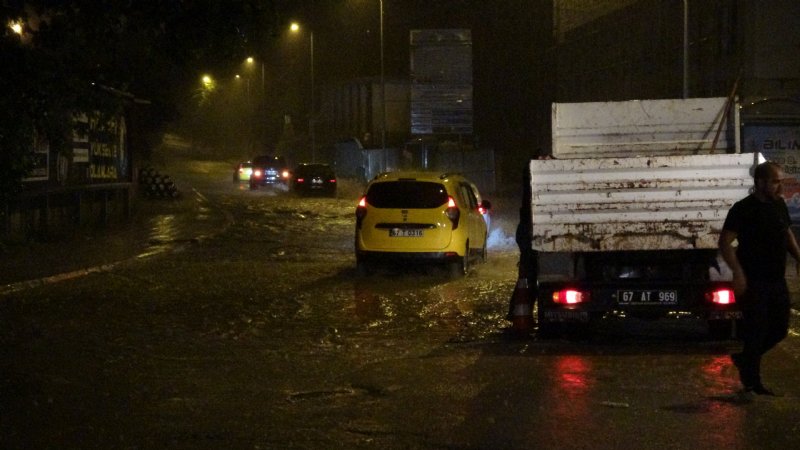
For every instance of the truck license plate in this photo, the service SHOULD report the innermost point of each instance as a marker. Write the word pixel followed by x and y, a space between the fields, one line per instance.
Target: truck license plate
pixel 647 297
pixel 400 232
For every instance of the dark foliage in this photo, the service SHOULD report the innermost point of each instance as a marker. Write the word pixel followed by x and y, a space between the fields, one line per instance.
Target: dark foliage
pixel 107 56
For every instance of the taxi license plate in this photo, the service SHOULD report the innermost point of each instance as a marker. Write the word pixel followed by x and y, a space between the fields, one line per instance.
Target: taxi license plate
pixel 401 232
pixel 647 297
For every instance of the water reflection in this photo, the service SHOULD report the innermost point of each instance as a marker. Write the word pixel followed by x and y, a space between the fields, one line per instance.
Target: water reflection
pixel 724 417
pixel 367 303
pixel 163 228
pixel 163 231
pixel 569 394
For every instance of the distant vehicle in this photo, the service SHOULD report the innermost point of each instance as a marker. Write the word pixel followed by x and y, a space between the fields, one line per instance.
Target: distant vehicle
pixel 309 179
pixel 269 170
pixel 421 217
pixel 242 171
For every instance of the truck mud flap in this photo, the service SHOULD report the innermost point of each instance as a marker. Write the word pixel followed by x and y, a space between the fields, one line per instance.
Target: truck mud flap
pixel 724 315
pixel 566 316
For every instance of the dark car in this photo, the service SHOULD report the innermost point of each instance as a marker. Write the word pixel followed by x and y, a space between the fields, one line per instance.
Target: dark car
pixel 269 170
pixel 311 179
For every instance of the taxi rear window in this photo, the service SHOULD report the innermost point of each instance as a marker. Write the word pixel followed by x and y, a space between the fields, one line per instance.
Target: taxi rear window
pixel 407 194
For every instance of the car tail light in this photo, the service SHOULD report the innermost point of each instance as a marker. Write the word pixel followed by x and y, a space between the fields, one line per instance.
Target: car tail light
pixel 332 180
pixel 256 173
pixel 301 180
pixel 721 296
pixel 452 212
pixel 570 296
pixel 285 174
pixel 361 211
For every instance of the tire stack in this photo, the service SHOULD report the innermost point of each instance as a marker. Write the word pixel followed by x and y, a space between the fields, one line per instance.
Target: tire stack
pixel 154 185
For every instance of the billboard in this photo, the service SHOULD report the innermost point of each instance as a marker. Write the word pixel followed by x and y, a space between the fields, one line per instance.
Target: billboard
pixel 40 158
pixel 99 148
pixel 441 81
pixel 779 143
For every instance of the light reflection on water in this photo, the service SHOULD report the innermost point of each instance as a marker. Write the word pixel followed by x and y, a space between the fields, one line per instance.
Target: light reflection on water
pixel 569 392
pixel 163 228
pixel 724 418
pixel 163 231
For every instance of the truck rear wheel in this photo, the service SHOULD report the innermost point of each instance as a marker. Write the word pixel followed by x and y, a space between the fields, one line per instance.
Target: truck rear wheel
pixel 548 330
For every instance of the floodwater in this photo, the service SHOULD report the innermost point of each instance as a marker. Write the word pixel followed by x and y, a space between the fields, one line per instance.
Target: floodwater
pixel 240 322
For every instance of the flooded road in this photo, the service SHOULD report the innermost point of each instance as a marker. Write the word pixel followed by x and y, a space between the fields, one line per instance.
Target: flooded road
pixel 258 334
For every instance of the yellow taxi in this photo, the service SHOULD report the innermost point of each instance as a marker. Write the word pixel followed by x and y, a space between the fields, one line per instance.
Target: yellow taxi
pixel 421 217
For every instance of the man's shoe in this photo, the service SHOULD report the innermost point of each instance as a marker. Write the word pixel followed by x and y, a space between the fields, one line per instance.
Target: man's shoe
pixel 761 390
pixel 737 361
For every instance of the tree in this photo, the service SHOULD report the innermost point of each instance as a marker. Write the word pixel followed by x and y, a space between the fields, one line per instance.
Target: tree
pixel 98 55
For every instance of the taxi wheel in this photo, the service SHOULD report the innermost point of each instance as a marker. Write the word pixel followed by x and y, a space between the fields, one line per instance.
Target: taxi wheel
pixel 461 267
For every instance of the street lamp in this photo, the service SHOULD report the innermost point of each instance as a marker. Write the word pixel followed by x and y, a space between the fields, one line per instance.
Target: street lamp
pixel 250 61
pixel 15 26
pixel 295 28
pixel 208 86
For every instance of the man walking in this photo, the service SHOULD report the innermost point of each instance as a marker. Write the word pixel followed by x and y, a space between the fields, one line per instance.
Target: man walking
pixel 760 224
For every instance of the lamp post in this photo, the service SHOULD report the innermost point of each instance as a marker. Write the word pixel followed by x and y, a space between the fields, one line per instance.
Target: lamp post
pixel 383 90
pixel 295 27
pixel 250 62
pixel 685 48
pixel 260 103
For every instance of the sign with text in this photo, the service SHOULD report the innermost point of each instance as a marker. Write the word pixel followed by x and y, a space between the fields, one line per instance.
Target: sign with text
pixel 40 152
pixel 441 74
pixel 779 143
pixel 100 145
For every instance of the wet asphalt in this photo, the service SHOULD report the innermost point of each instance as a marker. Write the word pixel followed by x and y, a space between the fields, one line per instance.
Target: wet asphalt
pixel 156 226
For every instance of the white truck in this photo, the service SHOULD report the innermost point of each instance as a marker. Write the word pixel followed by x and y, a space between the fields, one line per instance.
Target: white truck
pixel 625 218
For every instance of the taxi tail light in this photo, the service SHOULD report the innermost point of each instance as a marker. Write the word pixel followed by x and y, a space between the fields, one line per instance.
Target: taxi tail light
pixel 452 212
pixel 721 296
pixel 570 296
pixel 361 211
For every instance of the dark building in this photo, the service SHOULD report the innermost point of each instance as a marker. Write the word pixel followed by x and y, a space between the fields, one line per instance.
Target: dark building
pixel 627 49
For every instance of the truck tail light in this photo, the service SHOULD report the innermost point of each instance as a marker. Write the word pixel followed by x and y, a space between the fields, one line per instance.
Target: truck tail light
pixel 721 296
pixel 452 212
pixel 570 296
pixel 361 211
